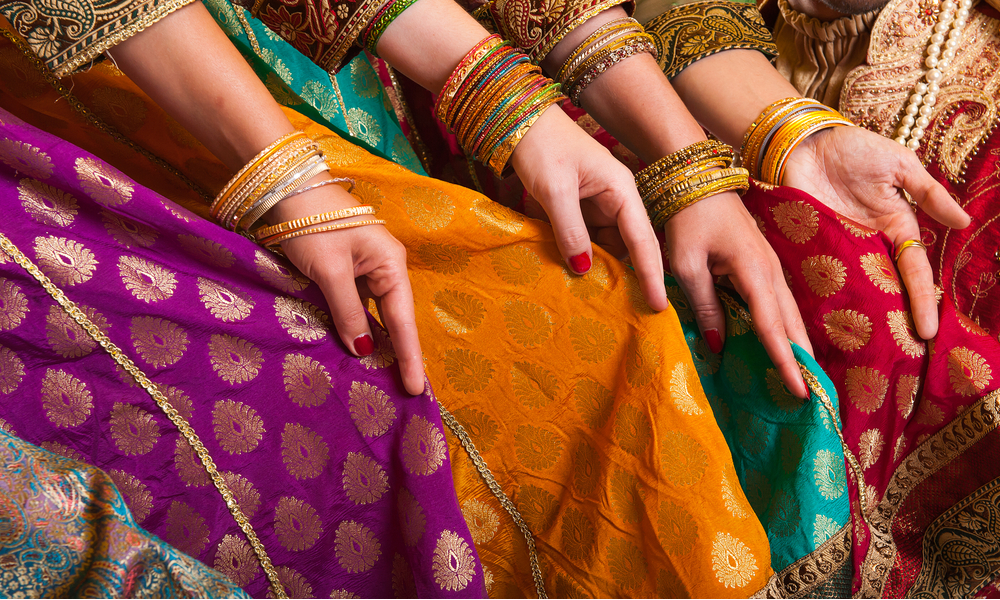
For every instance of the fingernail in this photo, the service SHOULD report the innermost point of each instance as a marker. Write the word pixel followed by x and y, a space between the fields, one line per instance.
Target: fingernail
pixel 806 388
pixel 580 263
pixel 364 345
pixel 714 340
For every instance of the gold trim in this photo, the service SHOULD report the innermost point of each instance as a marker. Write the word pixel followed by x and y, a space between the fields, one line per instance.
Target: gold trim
pixel 803 577
pixel 161 400
pixel 340 100
pixel 93 119
pixel 491 482
pixel 245 23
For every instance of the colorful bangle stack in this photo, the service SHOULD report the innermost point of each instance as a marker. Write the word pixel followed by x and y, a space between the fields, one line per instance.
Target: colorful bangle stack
pixel 385 15
pixel 612 43
pixel 491 99
pixel 779 129
pixel 678 180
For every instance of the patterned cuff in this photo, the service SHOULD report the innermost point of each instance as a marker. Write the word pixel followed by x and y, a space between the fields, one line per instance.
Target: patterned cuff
pixel 688 33
pixel 536 26
pixel 68 35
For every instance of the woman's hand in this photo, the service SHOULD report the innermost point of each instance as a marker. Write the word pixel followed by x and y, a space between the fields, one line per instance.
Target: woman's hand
pixel 718 237
pixel 354 264
pixel 561 167
pixel 859 174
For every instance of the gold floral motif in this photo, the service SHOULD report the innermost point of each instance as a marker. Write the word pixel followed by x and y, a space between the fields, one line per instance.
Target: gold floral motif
pixel 642 359
pixel 158 341
pixel 47 204
pixel 866 388
pixel 235 559
pixel 594 402
pixel 13 305
pixel 626 496
pixel 529 324
pixel 732 499
pixel 179 400
pixel 279 275
pixel 881 272
pixel 627 564
pixel 676 529
pixel 189 467
pixel 368 193
pixel 682 458
pixel 364 126
pixel 102 182
pixel 680 392
pixel 752 432
pixel 467 371
pixel 25 158
pixel 453 563
pixel 679 302
pixel 517 265
pixel 906 394
pixel 423 448
pixel 901 325
pixel 5 426
pixel 969 325
pixel 737 374
pixel 243 491
pixel 797 220
pixel 784 515
pixel 206 251
pixel 633 431
pixel 870 447
pixel 372 410
pixel 733 563
pixel 855 229
pixel 969 372
pixel 458 312
pixel 233 359
pixel 186 529
pixel 403 585
pixel 384 354
pixel 848 329
pixel 133 429
pixel 534 386
pixel 897 451
pixel 66 262
pixel 829 474
pixel 227 305
pixel 346 595
pixel 586 469
pixel 930 414
pixel 63 450
pixel 65 335
pixel 589 285
pixel 300 319
pixel 11 370
pixel 147 281
pixel 307 382
pixel 592 340
pixel 538 508
pixel 443 259
pixel 706 362
pixel 296 524
pixel 411 517
pixel 357 548
pixel 578 534
pixel 429 208
pixel 780 394
pixel 364 479
pixel 126 232
pixel 483 521
pixel 296 586
pixel 238 427
pixel 496 218
pixel 66 399
pixel 825 275
pixel 134 492
pixel 824 528
pixel 119 108
pixel 303 451
pixel 480 426
pixel 537 448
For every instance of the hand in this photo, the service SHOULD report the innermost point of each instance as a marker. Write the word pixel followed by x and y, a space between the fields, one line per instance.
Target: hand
pixel 560 166
pixel 859 174
pixel 718 237
pixel 351 264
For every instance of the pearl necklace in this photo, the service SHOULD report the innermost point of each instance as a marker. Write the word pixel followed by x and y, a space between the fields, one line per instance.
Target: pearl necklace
pixel 918 111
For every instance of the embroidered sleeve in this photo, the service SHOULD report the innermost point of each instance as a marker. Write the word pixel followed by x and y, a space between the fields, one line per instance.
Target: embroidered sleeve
pixel 689 32
pixel 68 35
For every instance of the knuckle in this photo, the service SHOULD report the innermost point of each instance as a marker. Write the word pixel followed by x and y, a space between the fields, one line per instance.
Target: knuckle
pixel 353 317
pixel 574 237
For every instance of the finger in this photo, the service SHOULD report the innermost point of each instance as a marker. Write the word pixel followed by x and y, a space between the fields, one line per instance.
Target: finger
pixel 392 286
pixel 569 228
pixel 698 285
pixel 644 249
pixel 610 238
pixel 790 316
pixel 770 329
pixel 930 195
pixel 348 312
pixel 918 278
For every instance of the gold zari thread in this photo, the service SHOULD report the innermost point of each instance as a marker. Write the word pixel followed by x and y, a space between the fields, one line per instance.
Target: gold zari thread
pixel 161 400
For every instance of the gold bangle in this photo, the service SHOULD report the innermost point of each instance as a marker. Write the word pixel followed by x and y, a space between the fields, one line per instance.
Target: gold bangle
pixel 277 158
pixel 581 52
pixel 760 137
pixel 466 66
pixel 279 193
pixel 683 158
pixel 790 135
pixel 258 185
pixel 665 211
pixel 345 213
pixel 250 166
pixel 654 187
pixel 324 229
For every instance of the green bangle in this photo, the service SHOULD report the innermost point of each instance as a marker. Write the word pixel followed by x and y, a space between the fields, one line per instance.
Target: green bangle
pixel 379 27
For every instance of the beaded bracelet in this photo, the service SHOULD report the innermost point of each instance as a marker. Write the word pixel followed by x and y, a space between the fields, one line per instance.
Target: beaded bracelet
pixel 638 43
pixel 610 30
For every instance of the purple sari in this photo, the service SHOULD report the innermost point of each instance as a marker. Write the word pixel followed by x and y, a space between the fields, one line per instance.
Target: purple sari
pixel 344 478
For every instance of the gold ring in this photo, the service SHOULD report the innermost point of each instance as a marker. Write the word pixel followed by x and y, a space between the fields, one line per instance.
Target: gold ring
pixel 905 245
pixel 909 199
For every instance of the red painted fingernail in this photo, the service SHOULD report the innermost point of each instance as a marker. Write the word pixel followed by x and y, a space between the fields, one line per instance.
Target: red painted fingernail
pixel 806 386
pixel 714 340
pixel 364 345
pixel 580 263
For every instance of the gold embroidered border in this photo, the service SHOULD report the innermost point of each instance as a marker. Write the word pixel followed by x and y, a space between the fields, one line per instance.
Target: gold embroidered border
pixel 803 577
pixel 688 33
pixel 161 400
pixel 491 482
pixel 96 121
pixel 928 458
